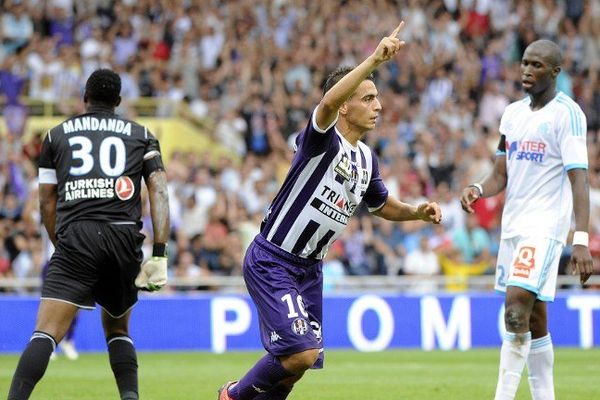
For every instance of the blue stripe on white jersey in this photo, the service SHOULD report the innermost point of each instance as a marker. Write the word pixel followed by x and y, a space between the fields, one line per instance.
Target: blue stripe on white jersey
pixel 575 113
pixel 327 180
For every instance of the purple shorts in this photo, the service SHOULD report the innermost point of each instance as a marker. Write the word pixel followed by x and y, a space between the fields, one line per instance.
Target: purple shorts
pixel 288 293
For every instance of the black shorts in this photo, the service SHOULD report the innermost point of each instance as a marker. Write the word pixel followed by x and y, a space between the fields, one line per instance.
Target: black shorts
pixel 96 262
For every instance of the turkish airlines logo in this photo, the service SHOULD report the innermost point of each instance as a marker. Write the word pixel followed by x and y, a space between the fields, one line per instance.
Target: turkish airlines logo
pixel 124 188
pixel 527 150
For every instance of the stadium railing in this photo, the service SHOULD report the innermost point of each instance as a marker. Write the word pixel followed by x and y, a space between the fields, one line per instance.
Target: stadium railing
pixel 380 284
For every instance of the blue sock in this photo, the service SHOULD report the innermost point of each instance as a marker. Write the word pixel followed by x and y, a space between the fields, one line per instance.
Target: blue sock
pixel 265 375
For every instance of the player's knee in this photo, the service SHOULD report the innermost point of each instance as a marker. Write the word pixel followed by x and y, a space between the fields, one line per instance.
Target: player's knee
pixel 515 319
pixel 114 326
pixel 300 362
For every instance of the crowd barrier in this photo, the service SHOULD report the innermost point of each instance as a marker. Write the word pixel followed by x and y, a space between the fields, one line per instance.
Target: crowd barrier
pixel 220 323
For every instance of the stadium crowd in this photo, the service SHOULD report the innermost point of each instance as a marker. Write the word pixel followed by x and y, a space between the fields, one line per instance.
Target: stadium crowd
pixel 252 70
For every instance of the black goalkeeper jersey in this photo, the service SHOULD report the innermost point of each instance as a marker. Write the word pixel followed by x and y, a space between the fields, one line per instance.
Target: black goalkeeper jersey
pixel 97 162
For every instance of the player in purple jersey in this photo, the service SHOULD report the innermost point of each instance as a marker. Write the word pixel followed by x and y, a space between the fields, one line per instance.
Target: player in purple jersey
pixel 331 173
pixel 90 205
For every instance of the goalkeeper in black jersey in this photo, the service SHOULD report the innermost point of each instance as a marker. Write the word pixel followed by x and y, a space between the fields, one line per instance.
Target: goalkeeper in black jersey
pixel 90 176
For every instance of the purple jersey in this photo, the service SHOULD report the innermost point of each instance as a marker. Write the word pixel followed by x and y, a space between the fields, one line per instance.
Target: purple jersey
pixel 328 178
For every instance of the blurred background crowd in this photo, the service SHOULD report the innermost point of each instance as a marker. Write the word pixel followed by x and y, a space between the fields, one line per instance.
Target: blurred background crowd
pixel 249 73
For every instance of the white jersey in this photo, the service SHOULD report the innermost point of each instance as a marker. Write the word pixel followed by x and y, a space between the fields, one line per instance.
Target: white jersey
pixel 327 180
pixel 540 147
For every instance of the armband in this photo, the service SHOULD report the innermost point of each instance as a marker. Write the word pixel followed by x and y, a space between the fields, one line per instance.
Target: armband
pixel 154 163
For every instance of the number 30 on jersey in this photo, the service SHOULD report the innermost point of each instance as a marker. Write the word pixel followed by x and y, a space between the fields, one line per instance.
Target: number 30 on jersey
pixel 82 148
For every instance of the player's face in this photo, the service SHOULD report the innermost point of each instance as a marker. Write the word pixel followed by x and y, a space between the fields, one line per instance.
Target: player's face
pixel 363 107
pixel 536 73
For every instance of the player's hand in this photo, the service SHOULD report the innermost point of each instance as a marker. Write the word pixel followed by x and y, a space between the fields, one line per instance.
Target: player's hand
pixel 153 274
pixel 581 262
pixel 469 196
pixel 429 212
pixel 388 46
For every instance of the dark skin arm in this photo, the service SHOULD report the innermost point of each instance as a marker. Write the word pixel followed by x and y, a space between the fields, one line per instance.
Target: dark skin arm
pixel 581 259
pixel 492 185
pixel 159 205
pixel 48 200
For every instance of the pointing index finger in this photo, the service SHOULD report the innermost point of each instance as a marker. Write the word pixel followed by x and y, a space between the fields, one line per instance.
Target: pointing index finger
pixel 397 30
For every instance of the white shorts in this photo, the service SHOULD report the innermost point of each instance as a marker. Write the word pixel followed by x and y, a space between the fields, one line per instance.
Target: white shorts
pixel 529 263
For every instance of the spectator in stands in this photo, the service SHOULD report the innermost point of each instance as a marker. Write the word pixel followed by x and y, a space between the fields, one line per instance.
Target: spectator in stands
pixel 333 267
pixel 387 248
pixel 12 82
pixel 422 261
pixel 186 268
pixel 17 27
pixel 472 241
pixel 249 82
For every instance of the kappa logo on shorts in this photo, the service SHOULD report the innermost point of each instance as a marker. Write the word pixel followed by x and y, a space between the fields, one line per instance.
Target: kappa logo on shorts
pixel 124 188
pixel 274 337
pixel 300 326
pixel 316 327
pixel 525 262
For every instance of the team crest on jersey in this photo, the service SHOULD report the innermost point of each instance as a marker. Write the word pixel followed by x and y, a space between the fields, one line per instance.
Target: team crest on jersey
pixel 544 128
pixel 124 188
pixel 300 326
pixel 344 168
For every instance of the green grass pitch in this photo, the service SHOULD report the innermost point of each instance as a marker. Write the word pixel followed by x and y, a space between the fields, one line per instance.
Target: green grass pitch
pixel 348 375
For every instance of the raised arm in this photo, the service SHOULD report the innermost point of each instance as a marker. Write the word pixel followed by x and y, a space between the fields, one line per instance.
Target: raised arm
pixel 341 91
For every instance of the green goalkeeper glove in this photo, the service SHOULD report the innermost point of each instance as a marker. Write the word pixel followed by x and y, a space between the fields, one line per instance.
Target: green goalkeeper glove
pixel 153 274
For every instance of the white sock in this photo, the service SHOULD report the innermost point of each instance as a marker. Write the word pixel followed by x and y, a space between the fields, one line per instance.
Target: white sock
pixel 513 355
pixel 540 364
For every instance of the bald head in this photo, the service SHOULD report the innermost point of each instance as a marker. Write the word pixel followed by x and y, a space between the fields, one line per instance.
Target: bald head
pixel 546 50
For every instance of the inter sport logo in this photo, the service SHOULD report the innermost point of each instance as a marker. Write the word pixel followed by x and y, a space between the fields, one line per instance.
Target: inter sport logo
pixel 528 150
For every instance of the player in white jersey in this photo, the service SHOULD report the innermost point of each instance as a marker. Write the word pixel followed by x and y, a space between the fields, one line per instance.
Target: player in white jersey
pixel 542 163
pixel 332 172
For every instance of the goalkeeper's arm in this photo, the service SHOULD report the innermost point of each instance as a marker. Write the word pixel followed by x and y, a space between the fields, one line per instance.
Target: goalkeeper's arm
pixel 153 274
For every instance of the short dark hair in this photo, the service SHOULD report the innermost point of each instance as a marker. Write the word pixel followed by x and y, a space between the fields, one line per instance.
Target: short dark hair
pixel 337 74
pixel 103 86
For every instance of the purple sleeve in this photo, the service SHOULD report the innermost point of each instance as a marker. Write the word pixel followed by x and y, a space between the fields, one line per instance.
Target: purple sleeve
pixel 312 140
pixel 376 193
